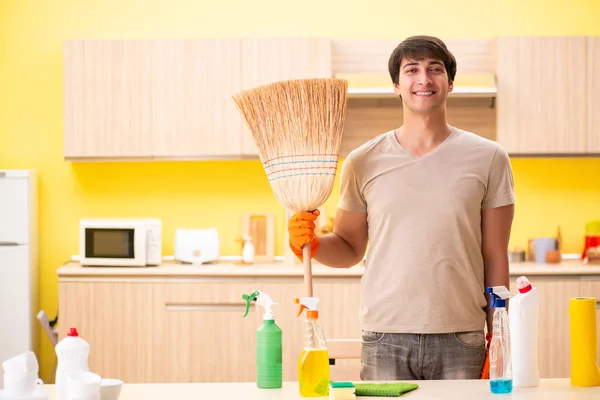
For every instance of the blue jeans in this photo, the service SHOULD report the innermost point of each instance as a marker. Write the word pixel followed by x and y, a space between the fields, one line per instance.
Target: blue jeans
pixel 408 356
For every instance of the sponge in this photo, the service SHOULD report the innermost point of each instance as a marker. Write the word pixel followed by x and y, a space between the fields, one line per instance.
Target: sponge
pixel 384 389
pixel 341 391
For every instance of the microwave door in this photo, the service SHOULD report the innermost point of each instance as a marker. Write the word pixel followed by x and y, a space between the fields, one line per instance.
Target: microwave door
pixel 113 247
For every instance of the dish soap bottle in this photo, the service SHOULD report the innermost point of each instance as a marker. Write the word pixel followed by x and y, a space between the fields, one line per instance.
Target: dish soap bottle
pixel 500 355
pixel 247 250
pixel 523 321
pixel 313 363
pixel 72 353
pixel 268 344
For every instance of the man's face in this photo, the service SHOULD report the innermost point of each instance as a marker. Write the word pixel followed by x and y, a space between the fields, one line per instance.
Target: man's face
pixel 423 84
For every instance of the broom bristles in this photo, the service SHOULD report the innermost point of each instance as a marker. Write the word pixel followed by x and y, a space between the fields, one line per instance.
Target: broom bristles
pixel 297 126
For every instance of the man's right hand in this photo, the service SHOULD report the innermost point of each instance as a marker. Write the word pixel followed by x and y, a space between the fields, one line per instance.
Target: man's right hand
pixel 301 228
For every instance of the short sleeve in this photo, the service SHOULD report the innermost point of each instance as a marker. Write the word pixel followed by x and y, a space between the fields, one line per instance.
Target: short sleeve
pixel 500 185
pixel 351 198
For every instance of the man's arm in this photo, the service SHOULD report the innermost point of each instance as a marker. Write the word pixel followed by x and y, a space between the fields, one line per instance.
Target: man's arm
pixel 496 225
pixel 347 244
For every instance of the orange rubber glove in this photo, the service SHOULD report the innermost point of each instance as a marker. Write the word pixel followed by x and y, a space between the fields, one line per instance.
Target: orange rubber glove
pixel 301 227
pixel 485 370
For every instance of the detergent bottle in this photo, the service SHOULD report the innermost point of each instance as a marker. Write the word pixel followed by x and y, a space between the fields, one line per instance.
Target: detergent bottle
pixel 72 353
pixel 268 344
pixel 500 354
pixel 523 321
pixel 313 363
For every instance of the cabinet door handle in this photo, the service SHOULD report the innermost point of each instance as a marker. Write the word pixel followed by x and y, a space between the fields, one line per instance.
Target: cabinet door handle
pixel 206 307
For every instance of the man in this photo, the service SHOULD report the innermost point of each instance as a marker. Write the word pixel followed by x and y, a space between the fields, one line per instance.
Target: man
pixel 435 203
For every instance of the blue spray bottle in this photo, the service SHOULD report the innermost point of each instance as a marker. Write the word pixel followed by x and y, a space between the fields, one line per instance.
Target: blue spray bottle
pixel 500 356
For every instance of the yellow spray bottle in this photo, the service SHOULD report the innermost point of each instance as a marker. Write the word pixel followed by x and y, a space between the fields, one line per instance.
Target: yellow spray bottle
pixel 313 363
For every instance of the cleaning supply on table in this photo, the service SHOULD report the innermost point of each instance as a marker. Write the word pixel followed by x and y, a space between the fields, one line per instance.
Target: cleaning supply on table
pixel 384 389
pixel 341 391
pixel 313 363
pixel 500 352
pixel 72 353
pixel 524 334
pixel 584 341
pixel 268 344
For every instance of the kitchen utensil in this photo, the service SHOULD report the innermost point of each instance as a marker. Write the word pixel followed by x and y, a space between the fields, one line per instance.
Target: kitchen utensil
pixel 297 126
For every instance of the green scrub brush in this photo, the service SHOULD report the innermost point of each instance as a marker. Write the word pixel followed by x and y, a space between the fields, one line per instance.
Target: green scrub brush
pixel 383 389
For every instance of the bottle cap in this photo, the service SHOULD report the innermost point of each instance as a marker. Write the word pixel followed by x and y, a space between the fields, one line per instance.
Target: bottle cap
pixel 72 332
pixel 523 284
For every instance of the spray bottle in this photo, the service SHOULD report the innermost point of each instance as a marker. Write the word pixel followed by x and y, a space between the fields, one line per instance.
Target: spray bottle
pixel 313 363
pixel 523 317
pixel 500 355
pixel 268 344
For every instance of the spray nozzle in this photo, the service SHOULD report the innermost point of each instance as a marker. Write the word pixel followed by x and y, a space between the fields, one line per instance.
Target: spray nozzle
pixel 308 303
pixel 498 295
pixel 262 299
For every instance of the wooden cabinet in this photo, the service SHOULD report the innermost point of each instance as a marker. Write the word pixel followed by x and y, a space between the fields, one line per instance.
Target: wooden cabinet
pixel 124 324
pixel 270 60
pixel 546 103
pixel 193 330
pixel 593 94
pixel 172 99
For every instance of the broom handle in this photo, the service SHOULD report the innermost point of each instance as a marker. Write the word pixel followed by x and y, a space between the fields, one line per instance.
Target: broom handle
pixel 307 270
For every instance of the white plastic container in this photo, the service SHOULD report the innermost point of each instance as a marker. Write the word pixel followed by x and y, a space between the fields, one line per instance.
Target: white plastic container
pixel 72 353
pixel 523 315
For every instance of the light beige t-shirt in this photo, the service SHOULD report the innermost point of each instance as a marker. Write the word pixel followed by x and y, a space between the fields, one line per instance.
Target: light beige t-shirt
pixel 424 267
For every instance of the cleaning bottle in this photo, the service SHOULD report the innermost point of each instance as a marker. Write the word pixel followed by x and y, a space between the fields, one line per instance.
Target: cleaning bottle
pixel 313 363
pixel 268 344
pixel 72 353
pixel 500 356
pixel 247 250
pixel 523 321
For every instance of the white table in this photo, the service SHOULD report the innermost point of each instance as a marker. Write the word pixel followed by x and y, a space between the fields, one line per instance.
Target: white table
pixel 549 389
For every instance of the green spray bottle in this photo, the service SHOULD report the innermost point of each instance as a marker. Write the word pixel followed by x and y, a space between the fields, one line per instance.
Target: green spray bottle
pixel 268 344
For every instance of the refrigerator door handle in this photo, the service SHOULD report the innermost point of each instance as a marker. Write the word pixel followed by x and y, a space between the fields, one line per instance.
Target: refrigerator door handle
pixel 9 244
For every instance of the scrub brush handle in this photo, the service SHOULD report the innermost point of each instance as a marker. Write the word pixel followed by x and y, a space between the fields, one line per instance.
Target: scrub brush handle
pixel 306 257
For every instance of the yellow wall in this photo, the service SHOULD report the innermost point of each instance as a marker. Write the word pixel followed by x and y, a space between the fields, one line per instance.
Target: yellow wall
pixel 202 194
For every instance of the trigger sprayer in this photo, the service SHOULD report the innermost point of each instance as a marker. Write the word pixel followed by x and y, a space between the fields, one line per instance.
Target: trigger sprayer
pixel 308 303
pixel 268 343
pixel 262 299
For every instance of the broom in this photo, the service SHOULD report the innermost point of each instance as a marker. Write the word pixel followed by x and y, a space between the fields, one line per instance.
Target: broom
pixel 297 126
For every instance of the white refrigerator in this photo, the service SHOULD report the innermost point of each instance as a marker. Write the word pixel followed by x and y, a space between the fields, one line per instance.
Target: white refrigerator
pixel 19 291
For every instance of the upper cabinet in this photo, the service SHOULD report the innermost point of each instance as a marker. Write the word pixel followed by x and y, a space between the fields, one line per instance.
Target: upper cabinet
pixel 270 60
pixel 546 98
pixel 172 99
pixel 593 94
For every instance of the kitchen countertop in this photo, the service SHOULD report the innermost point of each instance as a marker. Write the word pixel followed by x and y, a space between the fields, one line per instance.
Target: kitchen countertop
pixel 549 389
pixel 174 269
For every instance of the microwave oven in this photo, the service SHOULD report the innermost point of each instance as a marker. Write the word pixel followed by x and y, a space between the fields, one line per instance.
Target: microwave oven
pixel 120 242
